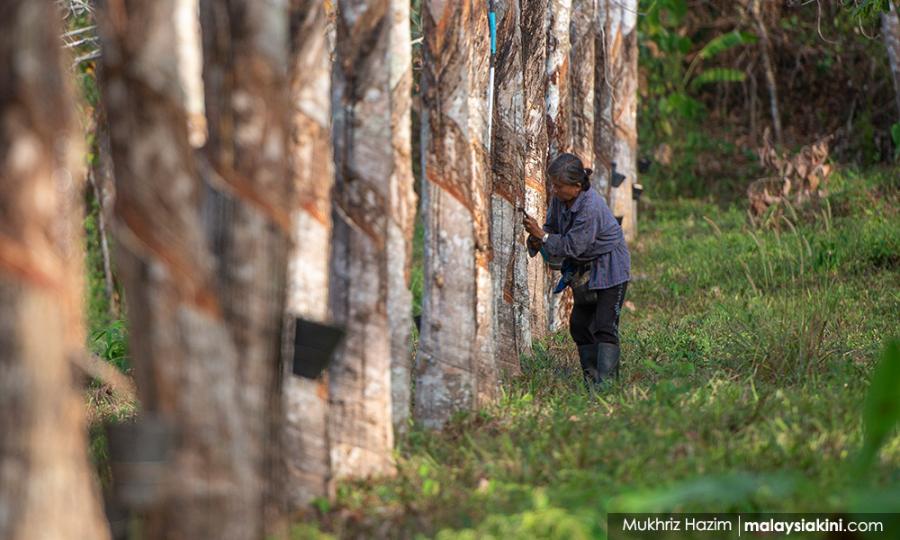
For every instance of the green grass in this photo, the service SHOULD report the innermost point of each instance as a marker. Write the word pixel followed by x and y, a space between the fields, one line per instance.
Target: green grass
pixel 747 361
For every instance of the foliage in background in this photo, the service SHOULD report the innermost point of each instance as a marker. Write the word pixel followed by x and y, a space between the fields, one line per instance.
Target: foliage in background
pixel 704 101
pixel 870 9
pixel 672 114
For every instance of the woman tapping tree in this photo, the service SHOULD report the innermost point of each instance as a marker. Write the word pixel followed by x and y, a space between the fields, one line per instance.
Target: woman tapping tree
pixel 583 236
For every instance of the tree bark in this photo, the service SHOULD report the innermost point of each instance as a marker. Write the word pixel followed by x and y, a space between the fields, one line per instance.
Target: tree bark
pixel 559 47
pixel 559 111
pixel 581 77
pixel 455 369
pixel 617 112
pixel 306 451
pixel 371 212
pixel 402 218
pixel 47 489
pixel 509 267
pixel 890 31
pixel 603 126
pixel 534 22
pixel 205 290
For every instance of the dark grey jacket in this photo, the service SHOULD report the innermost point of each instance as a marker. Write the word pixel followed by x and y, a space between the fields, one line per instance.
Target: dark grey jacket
pixel 588 232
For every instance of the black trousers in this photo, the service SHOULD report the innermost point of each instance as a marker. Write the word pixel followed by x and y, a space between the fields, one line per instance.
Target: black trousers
pixel 598 323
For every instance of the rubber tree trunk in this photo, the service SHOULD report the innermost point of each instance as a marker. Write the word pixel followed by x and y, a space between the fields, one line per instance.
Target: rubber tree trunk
pixel 455 366
pixel 402 217
pixel 603 129
pixel 47 489
pixel 617 105
pixel 581 79
pixel 306 451
pixel 559 48
pixel 205 288
pixel 581 88
pixel 248 212
pixel 559 111
pixel 372 204
pixel 890 32
pixel 534 23
pixel 510 270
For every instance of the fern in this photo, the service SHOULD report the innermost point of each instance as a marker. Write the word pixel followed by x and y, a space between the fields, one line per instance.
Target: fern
pixel 718 75
pixel 716 46
pixel 720 44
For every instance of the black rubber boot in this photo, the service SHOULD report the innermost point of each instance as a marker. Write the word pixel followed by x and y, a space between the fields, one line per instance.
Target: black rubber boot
pixel 587 354
pixel 599 363
pixel 607 361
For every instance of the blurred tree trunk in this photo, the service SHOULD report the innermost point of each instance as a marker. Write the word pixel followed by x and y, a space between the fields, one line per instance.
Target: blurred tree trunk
pixel 179 345
pixel 617 108
pixel 247 212
pixel 190 67
pixel 559 111
pixel 534 22
pixel 372 204
pixel 306 452
pixel 47 489
pixel 890 31
pixel 511 299
pixel 456 368
pixel 205 310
